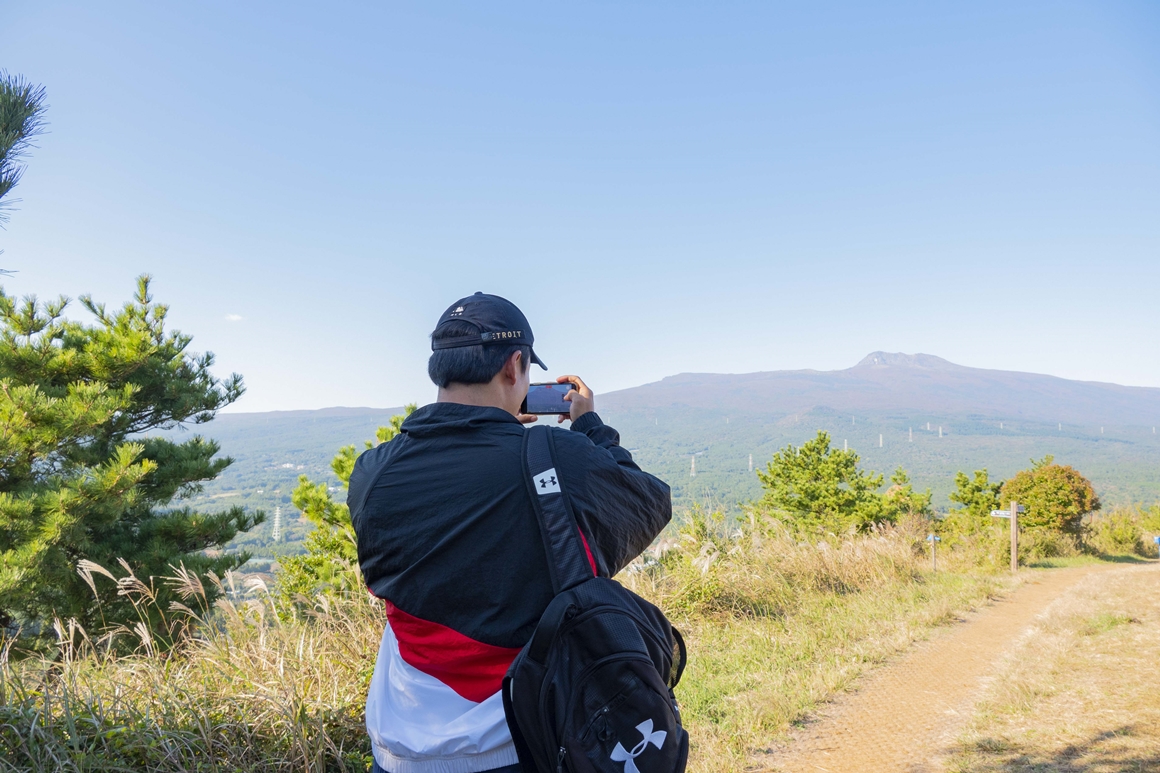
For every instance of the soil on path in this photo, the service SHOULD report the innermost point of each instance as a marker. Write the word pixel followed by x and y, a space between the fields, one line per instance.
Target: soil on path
pixel 903 716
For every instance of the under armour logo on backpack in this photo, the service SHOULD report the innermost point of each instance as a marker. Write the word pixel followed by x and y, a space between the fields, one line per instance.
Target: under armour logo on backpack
pixel 547 483
pixel 628 757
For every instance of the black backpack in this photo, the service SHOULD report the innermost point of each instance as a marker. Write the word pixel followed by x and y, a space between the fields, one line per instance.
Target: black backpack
pixel 593 690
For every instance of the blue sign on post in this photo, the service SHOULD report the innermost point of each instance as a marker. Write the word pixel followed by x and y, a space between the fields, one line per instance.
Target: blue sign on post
pixel 1157 541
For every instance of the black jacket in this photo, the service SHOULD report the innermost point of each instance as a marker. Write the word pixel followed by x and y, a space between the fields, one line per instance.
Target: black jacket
pixel 446 530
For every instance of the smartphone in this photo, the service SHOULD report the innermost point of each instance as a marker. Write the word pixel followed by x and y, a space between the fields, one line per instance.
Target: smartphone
pixel 547 399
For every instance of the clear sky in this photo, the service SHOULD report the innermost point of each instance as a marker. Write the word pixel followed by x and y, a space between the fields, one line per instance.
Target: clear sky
pixel 662 187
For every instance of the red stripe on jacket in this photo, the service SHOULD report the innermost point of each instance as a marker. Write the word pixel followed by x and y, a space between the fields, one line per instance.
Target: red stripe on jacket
pixel 588 552
pixel 471 668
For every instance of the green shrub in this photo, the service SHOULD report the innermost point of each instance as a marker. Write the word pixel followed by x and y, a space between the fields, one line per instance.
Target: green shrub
pixel 1056 496
pixel 1036 544
pixel 1118 532
pixel 989 546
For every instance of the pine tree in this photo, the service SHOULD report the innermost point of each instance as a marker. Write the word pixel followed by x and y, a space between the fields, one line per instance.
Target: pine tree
pixel 976 498
pixel 817 487
pixel 902 500
pixel 83 474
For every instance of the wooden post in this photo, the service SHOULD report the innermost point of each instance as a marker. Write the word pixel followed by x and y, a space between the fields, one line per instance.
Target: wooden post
pixel 1014 536
pixel 933 565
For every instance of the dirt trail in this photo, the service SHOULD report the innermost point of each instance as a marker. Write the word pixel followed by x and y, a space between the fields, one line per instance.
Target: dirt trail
pixel 903 715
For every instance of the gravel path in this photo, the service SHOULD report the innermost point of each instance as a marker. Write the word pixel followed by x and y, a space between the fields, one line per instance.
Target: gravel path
pixel 905 714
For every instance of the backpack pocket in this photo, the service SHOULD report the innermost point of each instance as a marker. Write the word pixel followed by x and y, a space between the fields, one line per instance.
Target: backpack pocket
pixel 623 720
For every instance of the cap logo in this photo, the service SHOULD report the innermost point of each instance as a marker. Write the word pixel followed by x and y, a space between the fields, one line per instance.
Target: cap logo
pixel 500 335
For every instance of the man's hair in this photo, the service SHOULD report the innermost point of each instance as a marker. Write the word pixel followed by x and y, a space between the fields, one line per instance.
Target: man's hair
pixel 469 364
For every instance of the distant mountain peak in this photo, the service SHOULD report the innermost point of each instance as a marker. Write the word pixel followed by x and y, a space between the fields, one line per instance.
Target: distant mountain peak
pixel 901 360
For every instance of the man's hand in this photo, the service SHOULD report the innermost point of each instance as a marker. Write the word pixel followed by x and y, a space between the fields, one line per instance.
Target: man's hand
pixel 581 398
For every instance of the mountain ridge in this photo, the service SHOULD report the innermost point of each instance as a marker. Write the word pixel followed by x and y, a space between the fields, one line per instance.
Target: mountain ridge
pixel 904 383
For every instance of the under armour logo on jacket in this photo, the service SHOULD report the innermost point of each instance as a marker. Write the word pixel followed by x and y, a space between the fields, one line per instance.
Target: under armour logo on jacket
pixel 547 483
pixel 628 757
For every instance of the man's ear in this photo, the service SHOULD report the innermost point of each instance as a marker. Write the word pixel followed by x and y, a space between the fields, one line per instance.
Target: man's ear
pixel 512 367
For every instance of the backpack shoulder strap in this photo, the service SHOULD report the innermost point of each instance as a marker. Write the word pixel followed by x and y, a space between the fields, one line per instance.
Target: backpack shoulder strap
pixel 567 559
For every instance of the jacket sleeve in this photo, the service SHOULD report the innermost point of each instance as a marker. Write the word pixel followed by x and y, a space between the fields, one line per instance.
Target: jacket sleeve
pixel 620 508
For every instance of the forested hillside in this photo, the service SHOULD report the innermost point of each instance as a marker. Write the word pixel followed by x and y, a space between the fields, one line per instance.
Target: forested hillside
pixel 916 411
pixel 933 417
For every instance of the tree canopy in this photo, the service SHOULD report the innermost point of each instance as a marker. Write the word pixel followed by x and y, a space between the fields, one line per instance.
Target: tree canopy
pixel 1056 496
pixel 817 487
pixel 82 474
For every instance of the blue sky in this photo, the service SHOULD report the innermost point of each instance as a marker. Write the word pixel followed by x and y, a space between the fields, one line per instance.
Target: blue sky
pixel 662 187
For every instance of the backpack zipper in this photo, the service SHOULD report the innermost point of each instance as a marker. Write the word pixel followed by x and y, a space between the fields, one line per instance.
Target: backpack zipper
pixel 560 760
pixel 644 627
pixel 587 673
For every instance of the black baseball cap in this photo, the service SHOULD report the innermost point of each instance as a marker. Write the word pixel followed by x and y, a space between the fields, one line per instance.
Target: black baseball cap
pixel 498 320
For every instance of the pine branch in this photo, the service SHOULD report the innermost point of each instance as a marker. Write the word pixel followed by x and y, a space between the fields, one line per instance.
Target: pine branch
pixel 22 109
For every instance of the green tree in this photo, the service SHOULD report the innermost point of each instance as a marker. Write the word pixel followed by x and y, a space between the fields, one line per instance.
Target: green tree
pixel 902 500
pixel 331 558
pixel 21 119
pixel 1056 497
pixel 976 498
pixel 816 487
pixel 81 474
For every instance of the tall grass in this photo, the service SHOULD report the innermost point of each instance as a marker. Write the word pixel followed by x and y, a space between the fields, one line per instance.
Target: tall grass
pixel 242 690
pixel 774 624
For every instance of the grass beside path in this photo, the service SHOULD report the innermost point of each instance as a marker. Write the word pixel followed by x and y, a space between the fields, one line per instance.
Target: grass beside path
pixel 1083 692
pixel 750 680
pixel 776 627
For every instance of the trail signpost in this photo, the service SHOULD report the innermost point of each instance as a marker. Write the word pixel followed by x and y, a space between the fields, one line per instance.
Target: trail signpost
pixel 1013 514
pixel 932 538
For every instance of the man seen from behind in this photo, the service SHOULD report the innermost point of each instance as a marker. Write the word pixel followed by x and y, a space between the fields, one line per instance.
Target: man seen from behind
pixel 449 540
